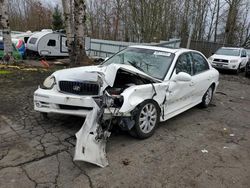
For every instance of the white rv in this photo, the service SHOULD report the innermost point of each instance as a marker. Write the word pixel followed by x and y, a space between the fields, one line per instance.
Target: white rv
pixel 48 43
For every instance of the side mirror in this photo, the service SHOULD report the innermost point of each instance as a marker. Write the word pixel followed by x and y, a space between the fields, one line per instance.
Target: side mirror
pixel 183 77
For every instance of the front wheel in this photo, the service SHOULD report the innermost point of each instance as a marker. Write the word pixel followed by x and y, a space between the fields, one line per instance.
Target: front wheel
pixel 238 70
pixel 146 120
pixel 207 97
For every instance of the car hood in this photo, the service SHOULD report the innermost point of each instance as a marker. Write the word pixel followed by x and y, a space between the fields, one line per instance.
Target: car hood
pixel 215 56
pixel 98 73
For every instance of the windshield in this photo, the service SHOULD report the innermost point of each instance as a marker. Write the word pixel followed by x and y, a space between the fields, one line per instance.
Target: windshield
pixel 229 52
pixel 153 62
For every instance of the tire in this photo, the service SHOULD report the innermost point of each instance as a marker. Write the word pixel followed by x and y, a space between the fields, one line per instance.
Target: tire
pixel 207 97
pixel 44 115
pixel 247 71
pixel 146 118
pixel 247 74
pixel 237 72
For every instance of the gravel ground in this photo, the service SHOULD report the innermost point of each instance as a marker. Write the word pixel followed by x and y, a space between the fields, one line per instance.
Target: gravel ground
pixel 38 153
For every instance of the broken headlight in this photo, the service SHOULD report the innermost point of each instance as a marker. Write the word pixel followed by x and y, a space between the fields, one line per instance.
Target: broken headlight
pixel 112 100
pixel 108 99
pixel 49 82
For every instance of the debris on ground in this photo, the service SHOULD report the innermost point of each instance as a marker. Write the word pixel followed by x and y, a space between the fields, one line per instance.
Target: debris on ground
pixel 125 162
pixel 44 64
pixel 204 151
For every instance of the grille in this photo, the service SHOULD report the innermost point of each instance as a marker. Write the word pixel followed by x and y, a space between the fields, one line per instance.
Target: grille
pixel 79 88
pixel 221 60
pixel 68 107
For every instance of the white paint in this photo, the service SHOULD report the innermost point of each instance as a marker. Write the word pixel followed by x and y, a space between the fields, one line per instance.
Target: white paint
pixel 87 147
pixel 41 45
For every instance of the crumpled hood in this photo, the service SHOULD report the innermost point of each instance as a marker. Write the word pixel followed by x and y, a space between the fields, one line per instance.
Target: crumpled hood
pixel 215 56
pixel 95 73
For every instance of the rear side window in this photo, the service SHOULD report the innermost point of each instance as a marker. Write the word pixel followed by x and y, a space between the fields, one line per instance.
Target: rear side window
pixel 183 64
pixel 51 43
pixel 33 40
pixel 200 64
pixel 1 46
pixel 243 53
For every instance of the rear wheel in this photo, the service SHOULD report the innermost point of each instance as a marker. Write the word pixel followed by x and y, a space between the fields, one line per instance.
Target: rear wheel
pixel 247 71
pixel 146 120
pixel 207 97
pixel 44 115
pixel 247 74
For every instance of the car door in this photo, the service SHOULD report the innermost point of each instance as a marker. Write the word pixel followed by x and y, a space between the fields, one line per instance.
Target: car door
pixel 201 78
pixel 244 58
pixel 179 95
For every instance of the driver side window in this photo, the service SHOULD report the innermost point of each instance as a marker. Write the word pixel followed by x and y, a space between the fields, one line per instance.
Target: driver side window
pixel 184 64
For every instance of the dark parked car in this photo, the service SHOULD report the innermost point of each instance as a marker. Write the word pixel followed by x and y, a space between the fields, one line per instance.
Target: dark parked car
pixel 247 73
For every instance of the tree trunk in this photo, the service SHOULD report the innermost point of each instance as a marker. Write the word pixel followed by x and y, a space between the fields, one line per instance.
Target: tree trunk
pixel 74 24
pixel 80 19
pixel 217 20
pixel 4 25
pixel 68 28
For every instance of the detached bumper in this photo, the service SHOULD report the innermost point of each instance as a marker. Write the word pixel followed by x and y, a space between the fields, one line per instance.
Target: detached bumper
pixel 52 101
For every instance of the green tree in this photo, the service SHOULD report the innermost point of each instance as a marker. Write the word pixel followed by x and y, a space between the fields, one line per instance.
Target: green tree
pixel 57 22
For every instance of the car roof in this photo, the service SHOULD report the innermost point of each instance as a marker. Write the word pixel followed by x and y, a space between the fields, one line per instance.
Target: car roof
pixel 164 49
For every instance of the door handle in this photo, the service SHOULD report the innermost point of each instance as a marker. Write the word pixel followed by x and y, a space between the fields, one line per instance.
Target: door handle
pixel 192 84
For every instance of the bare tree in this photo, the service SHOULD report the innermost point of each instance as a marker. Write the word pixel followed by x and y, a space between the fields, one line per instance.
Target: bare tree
pixel 5 26
pixel 231 23
pixel 75 17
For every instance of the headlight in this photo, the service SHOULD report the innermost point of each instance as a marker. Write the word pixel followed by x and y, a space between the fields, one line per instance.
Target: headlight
pixel 234 61
pixel 210 59
pixel 49 82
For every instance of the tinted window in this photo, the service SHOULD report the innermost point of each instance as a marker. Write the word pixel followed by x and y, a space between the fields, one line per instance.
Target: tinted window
pixel 1 46
pixel 243 54
pixel 33 40
pixel 183 64
pixel 199 63
pixel 51 43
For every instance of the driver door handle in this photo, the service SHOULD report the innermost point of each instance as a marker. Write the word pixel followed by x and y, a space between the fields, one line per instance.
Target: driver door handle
pixel 192 84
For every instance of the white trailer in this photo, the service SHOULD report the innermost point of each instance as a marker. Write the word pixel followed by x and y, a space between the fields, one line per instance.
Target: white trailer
pixel 48 43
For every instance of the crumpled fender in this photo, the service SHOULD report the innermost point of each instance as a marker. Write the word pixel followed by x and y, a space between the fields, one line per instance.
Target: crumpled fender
pixel 135 95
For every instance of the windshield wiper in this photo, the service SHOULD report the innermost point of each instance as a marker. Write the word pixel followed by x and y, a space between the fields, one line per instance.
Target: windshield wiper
pixel 133 63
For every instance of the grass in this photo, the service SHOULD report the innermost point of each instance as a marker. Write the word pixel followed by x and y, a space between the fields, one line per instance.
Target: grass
pixel 2 72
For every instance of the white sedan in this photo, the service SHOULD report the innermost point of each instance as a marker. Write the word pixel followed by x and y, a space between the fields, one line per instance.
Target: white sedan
pixel 134 89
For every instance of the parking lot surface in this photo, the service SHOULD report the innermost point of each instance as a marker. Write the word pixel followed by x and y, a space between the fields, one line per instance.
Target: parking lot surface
pixel 199 148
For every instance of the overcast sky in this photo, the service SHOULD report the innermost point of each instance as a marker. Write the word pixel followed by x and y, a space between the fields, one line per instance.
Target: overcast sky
pixel 53 3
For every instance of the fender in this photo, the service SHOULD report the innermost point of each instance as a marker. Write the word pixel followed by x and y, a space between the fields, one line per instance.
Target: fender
pixel 135 95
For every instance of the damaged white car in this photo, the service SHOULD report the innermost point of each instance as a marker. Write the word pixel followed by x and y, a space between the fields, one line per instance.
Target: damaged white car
pixel 134 89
